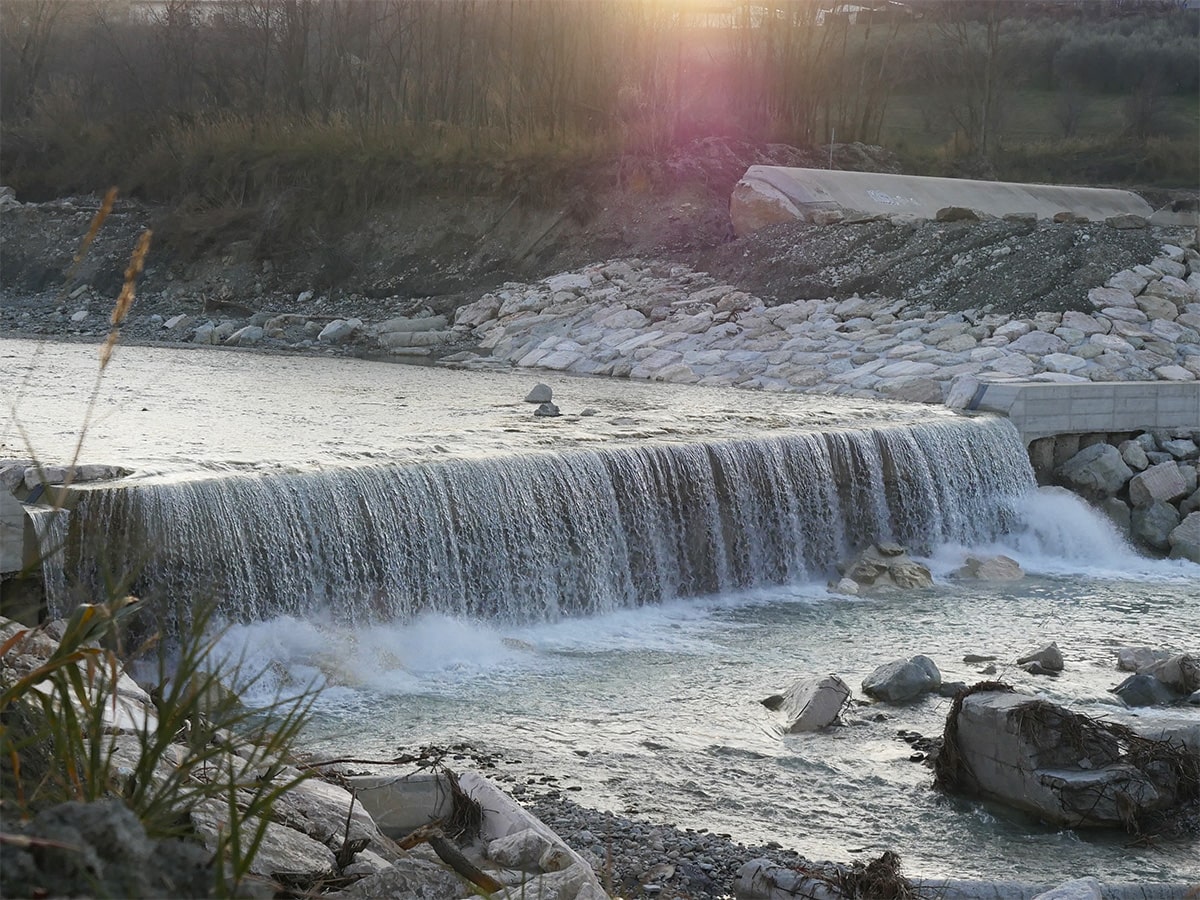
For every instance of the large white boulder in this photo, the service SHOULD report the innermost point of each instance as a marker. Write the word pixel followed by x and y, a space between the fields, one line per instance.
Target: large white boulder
pixel 520 850
pixel 283 852
pixel 338 330
pixel 1067 769
pixel 813 703
pixel 564 872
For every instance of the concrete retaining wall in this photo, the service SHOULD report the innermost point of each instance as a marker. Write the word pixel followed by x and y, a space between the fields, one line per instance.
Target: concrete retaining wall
pixel 768 195
pixel 12 533
pixel 1043 409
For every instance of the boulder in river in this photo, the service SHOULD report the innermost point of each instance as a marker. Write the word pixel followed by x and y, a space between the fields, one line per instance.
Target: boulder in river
pixel 1181 673
pixel 813 703
pixel 1048 659
pixel 886 565
pixel 541 393
pixel 991 568
pixel 1144 690
pixel 1068 769
pixel 1135 659
pixel 903 679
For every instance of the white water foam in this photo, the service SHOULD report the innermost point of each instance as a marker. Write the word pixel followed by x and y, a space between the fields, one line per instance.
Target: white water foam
pixel 436 654
pixel 1057 533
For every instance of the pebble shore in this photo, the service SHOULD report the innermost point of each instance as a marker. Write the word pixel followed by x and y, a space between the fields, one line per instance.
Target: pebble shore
pixel 634 858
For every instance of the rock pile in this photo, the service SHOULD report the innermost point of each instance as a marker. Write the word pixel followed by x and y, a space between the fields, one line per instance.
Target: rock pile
pixel 1148 484
pixel 882 565
pixel 314 834
pixel 20 476
pixel 629 318
pixel 1158 678
pixel 100 848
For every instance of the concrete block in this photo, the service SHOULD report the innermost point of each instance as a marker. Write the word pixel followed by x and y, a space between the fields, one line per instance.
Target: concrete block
pixel 1040 410
pixel 767 195
pixel 401 804
pixel 12 533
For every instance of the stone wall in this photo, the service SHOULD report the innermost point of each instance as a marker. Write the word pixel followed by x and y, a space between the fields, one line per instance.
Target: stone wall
pixel 1145 482
pixel 1046 410
pixel 632 319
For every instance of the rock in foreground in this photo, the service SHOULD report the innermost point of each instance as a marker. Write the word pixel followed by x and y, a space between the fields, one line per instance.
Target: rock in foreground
pixel 1067 769
pixel 813 703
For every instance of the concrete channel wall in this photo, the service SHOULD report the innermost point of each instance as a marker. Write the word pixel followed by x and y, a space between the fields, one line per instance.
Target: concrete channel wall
pixel 767 195
pixel 1041 409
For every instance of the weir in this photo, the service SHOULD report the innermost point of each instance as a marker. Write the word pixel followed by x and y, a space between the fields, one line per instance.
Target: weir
pixel 538 536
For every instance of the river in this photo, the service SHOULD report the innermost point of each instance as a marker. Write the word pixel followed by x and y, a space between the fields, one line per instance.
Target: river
pixel 648 709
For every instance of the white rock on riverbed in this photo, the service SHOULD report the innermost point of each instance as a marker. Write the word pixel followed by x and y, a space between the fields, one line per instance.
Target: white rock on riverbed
pixel 339 330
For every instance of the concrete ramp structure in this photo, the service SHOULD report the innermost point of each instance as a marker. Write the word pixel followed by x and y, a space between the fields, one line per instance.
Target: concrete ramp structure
pixel 769 195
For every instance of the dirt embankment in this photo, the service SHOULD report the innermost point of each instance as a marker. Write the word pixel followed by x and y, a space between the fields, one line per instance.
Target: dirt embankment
pixel 441 251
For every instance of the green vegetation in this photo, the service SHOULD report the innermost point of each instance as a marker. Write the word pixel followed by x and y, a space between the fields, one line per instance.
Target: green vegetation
pixel 223 104
pixel 58 742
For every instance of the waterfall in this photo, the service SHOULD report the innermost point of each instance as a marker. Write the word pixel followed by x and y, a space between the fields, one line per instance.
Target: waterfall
pixel 540 536
pixel 50 525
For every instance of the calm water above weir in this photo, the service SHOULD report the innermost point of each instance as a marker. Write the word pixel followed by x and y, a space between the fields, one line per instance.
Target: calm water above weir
pixel 646 705
pixel 175 410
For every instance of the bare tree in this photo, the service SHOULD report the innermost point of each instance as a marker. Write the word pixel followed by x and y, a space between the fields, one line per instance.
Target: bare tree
pixel 965 60
pixel 1069 107
pixel 26 34
pixel 1144 107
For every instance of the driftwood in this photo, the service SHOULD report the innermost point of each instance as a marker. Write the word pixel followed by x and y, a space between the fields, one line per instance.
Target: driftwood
pixel 451 856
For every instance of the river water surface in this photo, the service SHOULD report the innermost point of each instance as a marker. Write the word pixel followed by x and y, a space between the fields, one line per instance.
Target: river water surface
pixel 650 711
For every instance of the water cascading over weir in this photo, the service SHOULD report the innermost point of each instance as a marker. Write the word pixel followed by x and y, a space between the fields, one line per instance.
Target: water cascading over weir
pixel 542 535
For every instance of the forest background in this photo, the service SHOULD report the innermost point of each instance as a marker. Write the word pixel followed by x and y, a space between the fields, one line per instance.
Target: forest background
pixel 219 103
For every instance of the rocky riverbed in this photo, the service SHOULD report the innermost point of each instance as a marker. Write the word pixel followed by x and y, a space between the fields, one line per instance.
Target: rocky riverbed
pixel 887 307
